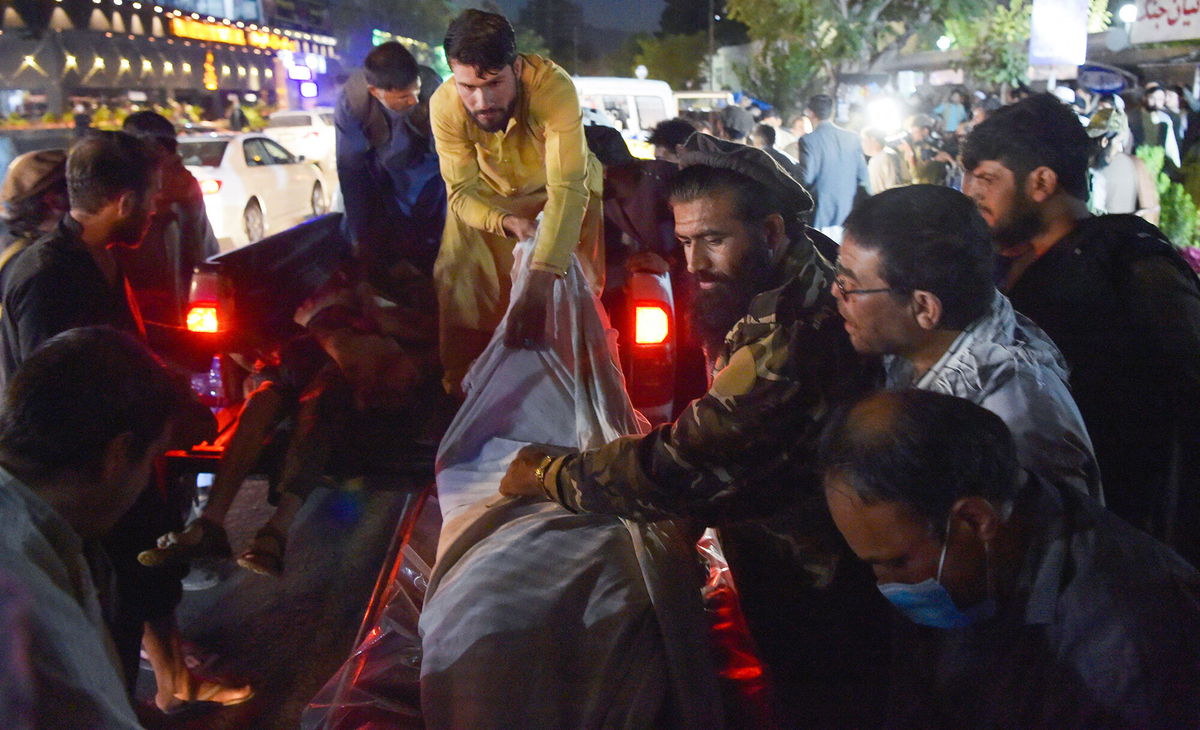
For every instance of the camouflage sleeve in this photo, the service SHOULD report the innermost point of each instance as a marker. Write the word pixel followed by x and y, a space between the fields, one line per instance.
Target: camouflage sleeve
pixel 737 451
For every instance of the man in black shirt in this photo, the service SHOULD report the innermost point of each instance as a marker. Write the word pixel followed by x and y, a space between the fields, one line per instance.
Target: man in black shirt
pixel 1115 297
pixel 71 278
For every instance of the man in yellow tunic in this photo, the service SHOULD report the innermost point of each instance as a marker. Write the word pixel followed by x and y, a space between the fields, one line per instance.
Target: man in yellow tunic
pixel 510 140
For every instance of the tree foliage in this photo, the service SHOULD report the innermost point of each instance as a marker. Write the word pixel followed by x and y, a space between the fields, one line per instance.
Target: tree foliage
pixel 779 76
pixel 995 44
pixel 801 41
pixel 422 20
pixel 622 59
pixel 561 25
pixel 528 41
pixel 675 59
pixel 686 17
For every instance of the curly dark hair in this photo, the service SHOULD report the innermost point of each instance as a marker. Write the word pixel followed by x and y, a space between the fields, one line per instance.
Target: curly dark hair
pixel 931 238
pixel 1038 131
pixel 922 449
pixel 483 40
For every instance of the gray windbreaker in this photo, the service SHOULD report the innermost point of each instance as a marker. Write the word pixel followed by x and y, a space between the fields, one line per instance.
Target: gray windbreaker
pixel 1005 363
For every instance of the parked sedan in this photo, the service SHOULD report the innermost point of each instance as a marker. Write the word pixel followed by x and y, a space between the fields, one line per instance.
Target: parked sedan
pixel 252 185
pixel 308 132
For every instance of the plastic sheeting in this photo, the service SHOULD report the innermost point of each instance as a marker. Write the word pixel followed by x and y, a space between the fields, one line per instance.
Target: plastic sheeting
pixel 379 684
pixel 537 617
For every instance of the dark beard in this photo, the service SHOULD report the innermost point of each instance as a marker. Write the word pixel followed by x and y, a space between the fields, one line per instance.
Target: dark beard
pixel 1023 222
pixel 502 123
pixel 715 311
pixel 129 232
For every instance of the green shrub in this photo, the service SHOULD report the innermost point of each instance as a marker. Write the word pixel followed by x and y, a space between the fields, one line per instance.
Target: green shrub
pixel 1178 218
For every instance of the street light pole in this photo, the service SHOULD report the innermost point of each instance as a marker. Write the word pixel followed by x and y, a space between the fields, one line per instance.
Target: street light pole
pixel 712 45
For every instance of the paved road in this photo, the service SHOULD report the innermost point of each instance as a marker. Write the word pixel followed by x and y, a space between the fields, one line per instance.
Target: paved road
pixel 289 635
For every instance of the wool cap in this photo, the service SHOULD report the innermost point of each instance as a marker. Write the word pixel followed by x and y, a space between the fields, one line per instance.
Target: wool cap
pixel 704 149
pixel 30 175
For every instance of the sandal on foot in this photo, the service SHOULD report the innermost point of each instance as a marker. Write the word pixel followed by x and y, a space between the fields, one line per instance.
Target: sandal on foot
pixel 265 555
pixel 213 543
pixel 208 692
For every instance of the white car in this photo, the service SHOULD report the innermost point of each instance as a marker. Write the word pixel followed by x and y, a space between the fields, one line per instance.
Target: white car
pixel 308 132
pixel 252 185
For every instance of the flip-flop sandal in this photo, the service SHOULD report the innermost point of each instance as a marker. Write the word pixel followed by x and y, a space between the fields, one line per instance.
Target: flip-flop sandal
pixel 214 543
pixel 265 555
pixel 203 699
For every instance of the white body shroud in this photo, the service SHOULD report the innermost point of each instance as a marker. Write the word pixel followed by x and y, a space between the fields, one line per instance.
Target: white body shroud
pixel 537 617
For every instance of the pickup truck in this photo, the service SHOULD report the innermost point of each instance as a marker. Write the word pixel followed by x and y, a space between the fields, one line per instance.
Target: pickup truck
pixel 245 299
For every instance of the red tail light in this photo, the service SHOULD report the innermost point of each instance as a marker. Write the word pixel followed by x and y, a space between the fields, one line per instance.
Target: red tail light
pixel 202 317
pixel 210 186
pixel 651 324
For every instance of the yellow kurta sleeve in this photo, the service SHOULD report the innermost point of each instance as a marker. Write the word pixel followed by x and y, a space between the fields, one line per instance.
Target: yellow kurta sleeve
pixel 555 104
pixel 460 168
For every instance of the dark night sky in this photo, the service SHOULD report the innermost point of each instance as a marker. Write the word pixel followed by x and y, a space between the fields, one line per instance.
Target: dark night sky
pixel 639 16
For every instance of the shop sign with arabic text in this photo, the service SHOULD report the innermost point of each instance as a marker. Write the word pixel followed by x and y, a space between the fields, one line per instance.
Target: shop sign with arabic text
pixel 1166 20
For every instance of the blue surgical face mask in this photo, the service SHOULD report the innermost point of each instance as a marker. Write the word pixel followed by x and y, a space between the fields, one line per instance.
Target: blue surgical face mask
pixel 928 603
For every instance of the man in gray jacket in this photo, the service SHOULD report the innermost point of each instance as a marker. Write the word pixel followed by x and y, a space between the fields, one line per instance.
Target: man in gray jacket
pixel 914 285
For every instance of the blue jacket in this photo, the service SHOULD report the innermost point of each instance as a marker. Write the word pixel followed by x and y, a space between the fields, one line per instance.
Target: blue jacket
pixel 393 190
pixel 834 169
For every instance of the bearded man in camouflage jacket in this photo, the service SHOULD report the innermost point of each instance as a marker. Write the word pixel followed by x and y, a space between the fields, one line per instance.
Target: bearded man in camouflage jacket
pixel 742 456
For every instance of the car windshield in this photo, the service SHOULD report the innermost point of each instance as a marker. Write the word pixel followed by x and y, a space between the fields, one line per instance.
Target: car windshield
pixel 289 120
pixel 203 153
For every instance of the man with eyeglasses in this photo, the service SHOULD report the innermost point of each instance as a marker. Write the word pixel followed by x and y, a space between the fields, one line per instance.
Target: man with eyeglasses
pixel 914 284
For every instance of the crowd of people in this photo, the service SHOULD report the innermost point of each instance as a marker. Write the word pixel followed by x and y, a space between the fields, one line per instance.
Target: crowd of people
pixel 948 436
pixel 925 147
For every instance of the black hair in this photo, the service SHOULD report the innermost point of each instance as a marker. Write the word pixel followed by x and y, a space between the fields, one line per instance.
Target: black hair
pixel 81 389
pixel 765 134
pixel 932 238
pixel 103 165
pixel 876 134
pixel 752 200
pixel 1035 132
pixel 821 106
pixel 485 41
pixel 152 127
pixel 671 133
pixel 391 67
pixel 607 145
pixel 923 449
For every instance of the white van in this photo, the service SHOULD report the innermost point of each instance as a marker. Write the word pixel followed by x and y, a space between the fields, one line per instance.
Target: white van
pixel 703 101
pixel 634 106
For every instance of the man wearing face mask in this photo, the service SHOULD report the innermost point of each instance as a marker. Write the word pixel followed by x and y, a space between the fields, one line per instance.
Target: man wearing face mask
pixel 511 144
pixel 1025 607
pixel 387 165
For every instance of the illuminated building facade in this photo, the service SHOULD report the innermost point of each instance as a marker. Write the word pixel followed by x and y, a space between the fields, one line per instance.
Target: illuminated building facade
pixel 54 50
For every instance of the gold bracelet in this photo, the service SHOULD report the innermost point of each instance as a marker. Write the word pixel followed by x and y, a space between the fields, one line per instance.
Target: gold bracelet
pixel 539 473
